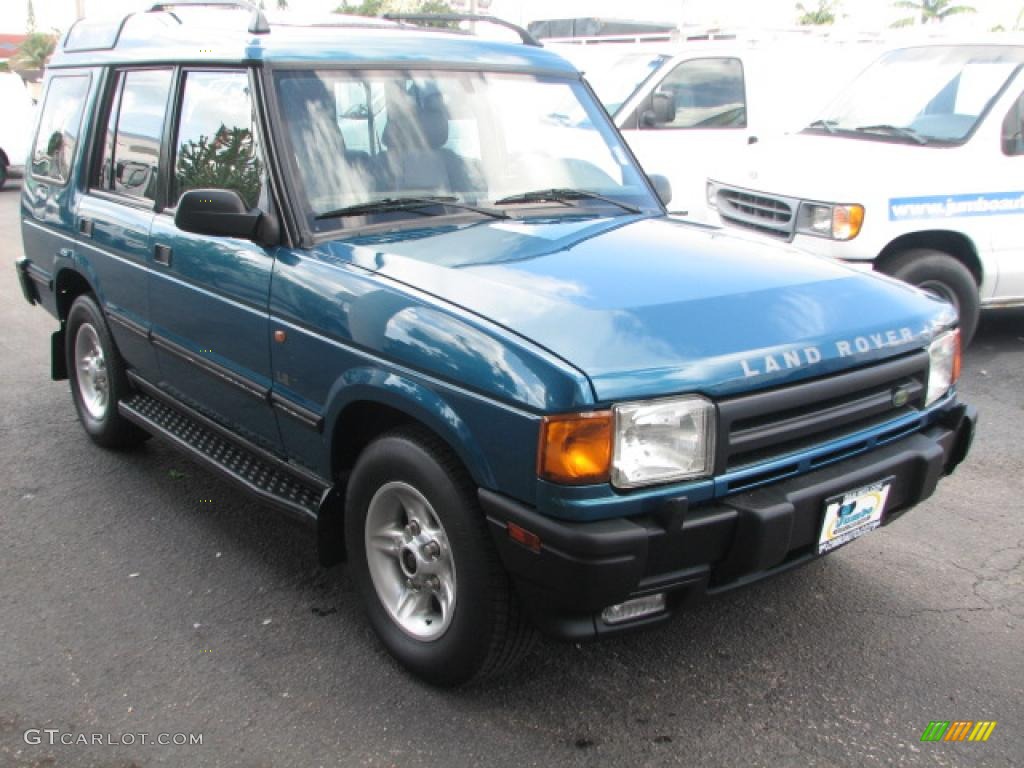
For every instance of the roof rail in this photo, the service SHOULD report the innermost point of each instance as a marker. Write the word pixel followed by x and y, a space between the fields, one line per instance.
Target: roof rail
pixel 258 24
pixel 525 36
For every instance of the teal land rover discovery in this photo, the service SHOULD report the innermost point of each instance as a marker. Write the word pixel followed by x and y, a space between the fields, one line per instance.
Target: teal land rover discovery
pixel 411 287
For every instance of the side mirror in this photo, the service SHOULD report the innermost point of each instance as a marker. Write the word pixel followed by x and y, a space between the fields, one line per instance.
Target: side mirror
pixel 663 187
pixel 662 111
pixel 220 212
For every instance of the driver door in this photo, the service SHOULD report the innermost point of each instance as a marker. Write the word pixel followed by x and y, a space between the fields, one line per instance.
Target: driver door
pixel 696 114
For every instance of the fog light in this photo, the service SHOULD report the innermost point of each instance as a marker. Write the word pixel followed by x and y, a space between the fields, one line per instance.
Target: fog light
pixel 634 609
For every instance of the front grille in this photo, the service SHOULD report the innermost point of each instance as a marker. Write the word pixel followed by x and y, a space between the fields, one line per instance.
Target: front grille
pixel 768 425
pixel 774 216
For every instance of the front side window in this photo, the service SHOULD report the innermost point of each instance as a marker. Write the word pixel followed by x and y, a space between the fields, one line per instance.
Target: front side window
pixel 59 127
pixel 928 95
pixel 468 137
pixel 131 150
pixel 700 93
pixel 1013 129
pixel 216 141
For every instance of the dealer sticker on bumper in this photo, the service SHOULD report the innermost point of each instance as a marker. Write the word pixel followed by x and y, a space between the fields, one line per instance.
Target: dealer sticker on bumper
pixel 853 514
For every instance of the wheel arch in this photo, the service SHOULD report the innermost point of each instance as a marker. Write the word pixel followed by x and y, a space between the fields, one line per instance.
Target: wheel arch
pixel 368 402
pixel 956 244
pixel 68 285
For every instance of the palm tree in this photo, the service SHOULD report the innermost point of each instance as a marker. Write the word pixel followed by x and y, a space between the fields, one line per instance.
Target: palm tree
pixel 825 13
pixel 34 52
pixel 1020 20
pixel 929 11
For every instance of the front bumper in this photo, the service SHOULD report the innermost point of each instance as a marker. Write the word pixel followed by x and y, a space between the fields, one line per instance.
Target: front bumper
pixel 582 568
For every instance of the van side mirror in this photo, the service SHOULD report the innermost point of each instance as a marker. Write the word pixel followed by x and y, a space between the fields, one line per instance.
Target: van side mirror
pixel 662 186
pixel 662 111
pixel 219 212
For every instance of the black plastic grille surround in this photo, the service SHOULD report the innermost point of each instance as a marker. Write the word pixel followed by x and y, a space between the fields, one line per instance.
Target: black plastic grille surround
pixel 770 424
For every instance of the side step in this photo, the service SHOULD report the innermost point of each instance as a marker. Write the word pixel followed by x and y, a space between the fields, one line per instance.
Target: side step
pixel 255 470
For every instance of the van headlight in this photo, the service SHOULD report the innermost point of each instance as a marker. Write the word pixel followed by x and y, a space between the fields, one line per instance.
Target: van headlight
pixel 662 441
pixel 712 193
pixel 943 365
pixel 837 222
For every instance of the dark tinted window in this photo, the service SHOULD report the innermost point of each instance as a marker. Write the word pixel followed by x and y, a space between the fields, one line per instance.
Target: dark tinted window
pixel 216 144
pixel 704 93
pixel 1013 129
pixel 59 127
pixel 131 153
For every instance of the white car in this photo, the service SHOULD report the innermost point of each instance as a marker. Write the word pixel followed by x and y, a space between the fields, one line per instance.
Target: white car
pixel 685 108
pixel 917 170
pixel 16 125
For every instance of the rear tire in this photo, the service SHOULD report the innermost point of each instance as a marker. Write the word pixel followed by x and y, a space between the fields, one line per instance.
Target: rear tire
pixel 97 377
pixel 3 174
pixel 942 275
pixel 421 556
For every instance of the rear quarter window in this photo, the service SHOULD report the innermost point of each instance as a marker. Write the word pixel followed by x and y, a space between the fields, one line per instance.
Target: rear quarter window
pixel 59 127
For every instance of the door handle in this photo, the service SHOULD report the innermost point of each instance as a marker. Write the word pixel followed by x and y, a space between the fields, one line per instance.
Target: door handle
pixel 85 227
pixel 162 254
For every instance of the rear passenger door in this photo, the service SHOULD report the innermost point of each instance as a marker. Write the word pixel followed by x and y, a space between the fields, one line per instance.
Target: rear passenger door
pixel 116 213
pixel 705 103
pixel 1007 240
pixel 209 295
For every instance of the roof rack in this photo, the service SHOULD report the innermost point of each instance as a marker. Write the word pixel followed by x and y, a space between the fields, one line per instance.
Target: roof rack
pixel 258 24
pixel 525 36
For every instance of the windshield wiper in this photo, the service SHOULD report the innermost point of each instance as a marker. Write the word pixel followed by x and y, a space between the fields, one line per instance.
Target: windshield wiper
pixel 828 125
pixel 413 204
pixel 895 130
pixel 564 195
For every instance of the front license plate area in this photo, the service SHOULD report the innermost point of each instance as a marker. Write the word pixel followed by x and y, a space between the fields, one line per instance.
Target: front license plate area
pixel 852 514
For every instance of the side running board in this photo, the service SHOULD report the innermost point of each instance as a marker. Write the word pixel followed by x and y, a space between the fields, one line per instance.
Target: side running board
pixel 262 474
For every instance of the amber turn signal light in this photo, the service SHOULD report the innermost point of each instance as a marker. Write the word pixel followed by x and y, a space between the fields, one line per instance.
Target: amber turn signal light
pixel 576 449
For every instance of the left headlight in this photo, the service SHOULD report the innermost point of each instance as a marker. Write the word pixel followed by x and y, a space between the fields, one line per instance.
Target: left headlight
pixel 943 365
pixel 661 441
pixel 838 222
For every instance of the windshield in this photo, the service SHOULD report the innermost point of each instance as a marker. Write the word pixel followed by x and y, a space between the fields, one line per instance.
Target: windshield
pixel 375 147
pixel 616 80
pixel 923 95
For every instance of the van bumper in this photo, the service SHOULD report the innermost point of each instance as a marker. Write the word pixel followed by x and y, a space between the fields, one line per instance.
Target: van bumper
pixel 688 553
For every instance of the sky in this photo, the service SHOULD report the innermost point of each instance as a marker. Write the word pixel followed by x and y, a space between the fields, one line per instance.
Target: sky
pixel 862 15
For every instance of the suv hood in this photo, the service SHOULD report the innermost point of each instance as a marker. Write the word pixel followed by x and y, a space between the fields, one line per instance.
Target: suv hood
pixel 652 306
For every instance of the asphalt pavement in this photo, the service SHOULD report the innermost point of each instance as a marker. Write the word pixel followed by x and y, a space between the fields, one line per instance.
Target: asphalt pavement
pixel 141 595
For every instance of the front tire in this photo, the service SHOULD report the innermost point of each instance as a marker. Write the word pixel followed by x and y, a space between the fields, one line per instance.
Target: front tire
pixel 942 275
pixel 97 376
pixel 434 589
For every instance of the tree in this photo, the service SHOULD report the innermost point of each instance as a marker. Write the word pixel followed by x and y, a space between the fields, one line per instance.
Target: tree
pixel 226 160
pixel 380 7
pixel 34 52
pixel 929 11
pixel 30 18
pixel 825 13
pixel 1020 20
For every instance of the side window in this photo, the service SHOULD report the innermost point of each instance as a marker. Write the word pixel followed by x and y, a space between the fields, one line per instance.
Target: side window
pixel 59 127
pixel 699 93
pixel 217 142
pixel 1013 129
pixel 131 150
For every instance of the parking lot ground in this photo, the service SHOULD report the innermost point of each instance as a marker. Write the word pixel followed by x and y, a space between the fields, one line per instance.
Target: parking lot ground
pixel 141 595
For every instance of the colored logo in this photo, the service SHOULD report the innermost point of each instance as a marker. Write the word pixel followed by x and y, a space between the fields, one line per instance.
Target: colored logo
pixel 958 730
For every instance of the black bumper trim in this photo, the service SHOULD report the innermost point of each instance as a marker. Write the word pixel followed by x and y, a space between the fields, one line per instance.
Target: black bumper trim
pixel 26 280
pixel 695 551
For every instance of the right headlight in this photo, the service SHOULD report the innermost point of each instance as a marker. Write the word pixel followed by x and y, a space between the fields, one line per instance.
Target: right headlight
pixel 662 441
pixel 943 365
pixel 836 222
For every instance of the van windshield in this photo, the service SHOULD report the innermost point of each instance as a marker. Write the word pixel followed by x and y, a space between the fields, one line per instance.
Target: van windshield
pixel 616 79
pixel 927 95
pixel 373 147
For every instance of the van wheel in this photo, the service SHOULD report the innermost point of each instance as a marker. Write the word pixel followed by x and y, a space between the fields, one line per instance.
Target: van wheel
pixel 942 275
pixel 3 174
pixel 421 556
pixel 97 377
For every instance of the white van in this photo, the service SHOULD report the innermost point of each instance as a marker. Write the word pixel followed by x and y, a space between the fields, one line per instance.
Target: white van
pixel 16 125
pixel 685 107
pixel 917 169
